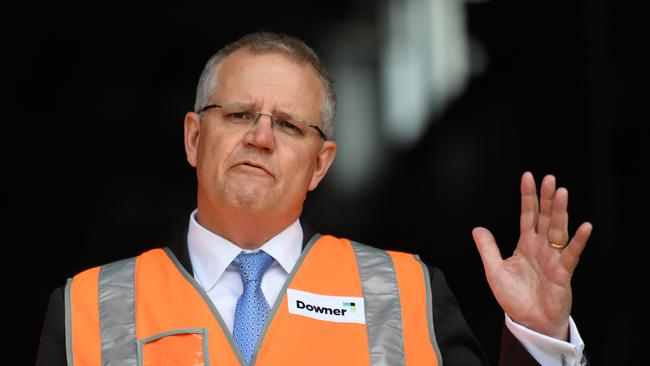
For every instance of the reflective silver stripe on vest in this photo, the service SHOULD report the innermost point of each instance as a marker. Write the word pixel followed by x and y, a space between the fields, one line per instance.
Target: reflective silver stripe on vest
pixel 68 323
pixel 117 312
pixel 382 302
pixel 432 333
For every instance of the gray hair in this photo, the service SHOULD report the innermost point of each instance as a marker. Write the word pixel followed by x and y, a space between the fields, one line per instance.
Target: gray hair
pixel 262 43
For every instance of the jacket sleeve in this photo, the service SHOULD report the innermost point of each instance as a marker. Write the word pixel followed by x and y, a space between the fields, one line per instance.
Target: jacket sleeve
pixel 457 342
pixel 51 349
pixel 513 352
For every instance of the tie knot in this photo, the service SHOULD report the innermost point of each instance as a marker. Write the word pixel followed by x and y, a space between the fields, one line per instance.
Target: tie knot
pixel 252 265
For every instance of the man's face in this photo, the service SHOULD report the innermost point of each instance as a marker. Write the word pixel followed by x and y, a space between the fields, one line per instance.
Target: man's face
pixel 255 171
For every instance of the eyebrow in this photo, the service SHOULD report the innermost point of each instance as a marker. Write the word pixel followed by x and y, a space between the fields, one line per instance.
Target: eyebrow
pixel 287 115
pixel 284 113
pixel 240 104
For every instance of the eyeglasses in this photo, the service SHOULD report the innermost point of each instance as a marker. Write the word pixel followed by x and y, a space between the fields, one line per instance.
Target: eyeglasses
pixel 240 115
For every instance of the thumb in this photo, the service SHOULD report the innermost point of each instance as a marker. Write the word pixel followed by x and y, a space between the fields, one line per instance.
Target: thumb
pixel 487 248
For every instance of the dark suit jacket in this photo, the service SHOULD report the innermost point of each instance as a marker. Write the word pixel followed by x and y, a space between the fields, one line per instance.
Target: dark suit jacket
pixel 457 343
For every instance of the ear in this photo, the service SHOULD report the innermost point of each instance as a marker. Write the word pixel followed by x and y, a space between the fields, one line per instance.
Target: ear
pixel 324 160
pixel 192 130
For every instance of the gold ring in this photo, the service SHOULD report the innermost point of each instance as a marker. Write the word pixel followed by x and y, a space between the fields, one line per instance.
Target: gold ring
pixel 557 246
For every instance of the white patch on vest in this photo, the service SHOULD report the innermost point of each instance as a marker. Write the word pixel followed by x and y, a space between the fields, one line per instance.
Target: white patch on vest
pixel 340 309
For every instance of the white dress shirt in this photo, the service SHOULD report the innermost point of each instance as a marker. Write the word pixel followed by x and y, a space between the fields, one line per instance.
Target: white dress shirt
pixel 212 256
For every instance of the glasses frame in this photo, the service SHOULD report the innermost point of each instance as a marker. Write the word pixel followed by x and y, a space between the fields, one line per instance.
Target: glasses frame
pixel 273 118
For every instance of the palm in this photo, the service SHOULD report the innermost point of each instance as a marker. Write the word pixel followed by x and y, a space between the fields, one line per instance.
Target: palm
pixel 533 286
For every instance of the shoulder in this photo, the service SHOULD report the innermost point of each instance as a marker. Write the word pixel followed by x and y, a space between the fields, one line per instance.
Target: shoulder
pixel 398 257
pixel 51 349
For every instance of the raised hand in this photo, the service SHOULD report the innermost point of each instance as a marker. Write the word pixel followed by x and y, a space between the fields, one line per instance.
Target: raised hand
pixel 533 286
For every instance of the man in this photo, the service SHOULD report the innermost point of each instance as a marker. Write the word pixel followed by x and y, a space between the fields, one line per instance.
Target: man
pixel 252 284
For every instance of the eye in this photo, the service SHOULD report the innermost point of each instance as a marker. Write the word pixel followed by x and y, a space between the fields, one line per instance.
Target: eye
pixel 289 127
pixel 240 117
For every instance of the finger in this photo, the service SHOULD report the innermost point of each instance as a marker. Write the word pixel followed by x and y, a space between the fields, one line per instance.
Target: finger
pixel 558 231
pixel 547 191
pixel 487 248
pixel 529 207
pixel 571 254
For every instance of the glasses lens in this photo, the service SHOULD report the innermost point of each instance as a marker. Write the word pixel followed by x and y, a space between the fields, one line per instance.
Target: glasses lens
pixel 290 127
pixel 237 114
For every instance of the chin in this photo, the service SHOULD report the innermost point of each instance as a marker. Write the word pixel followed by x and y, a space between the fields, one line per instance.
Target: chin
pixel 251 200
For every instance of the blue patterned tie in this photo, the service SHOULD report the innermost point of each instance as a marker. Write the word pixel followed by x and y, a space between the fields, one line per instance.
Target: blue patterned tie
pixel 252 308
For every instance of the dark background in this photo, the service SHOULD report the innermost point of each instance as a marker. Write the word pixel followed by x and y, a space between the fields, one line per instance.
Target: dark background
pixel 94 167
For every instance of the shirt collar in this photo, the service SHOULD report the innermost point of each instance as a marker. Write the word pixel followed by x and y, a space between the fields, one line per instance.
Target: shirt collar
pixel 211 254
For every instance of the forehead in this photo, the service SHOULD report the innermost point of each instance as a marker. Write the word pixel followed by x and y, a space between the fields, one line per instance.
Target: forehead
pixel 270 79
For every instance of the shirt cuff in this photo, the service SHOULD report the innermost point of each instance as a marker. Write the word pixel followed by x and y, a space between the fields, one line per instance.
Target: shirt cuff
pixel 548 350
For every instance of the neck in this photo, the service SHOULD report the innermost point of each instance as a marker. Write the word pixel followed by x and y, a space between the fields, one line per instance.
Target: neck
pixel 247 230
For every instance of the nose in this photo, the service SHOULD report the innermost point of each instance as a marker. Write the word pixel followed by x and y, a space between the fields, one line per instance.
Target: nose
pixel 261 133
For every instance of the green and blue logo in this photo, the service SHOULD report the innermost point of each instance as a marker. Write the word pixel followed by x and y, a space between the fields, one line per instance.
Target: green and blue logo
pixel 351 306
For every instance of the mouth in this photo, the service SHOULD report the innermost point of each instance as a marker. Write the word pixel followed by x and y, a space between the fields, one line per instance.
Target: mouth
pixel 253 167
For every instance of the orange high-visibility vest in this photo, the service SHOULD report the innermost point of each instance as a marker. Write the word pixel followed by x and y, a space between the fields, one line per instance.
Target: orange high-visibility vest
pixel 344 303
